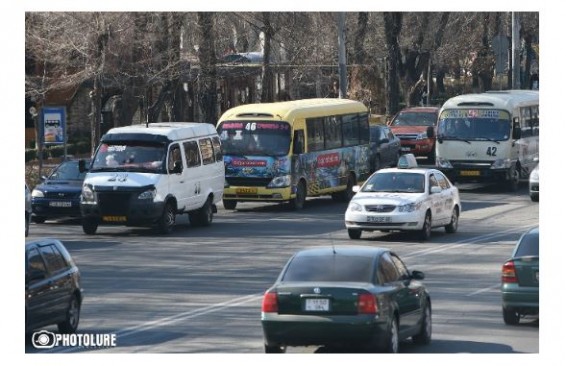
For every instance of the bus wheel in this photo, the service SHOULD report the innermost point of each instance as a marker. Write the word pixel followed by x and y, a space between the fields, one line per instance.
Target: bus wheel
pixel 347 194
pixel 299 201
pixel 229 204
pixel 513 182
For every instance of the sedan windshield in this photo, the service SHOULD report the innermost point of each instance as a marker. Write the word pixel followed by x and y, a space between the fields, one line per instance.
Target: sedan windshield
pixel 414 119
pixel 329 268
pixel 67 171
pixel 395 182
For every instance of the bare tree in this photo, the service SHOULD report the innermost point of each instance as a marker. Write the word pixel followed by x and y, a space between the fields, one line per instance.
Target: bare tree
pixel 207 60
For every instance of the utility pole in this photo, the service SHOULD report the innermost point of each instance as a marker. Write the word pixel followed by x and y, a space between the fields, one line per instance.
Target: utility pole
pixel 342 54
pixel 515 42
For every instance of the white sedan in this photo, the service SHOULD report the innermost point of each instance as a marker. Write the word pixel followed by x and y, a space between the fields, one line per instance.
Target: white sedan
pixel 405 198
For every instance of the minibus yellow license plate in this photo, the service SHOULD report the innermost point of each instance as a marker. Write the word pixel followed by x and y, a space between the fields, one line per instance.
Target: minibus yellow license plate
pixel 470 173
pixel 246 190
pixel 114 218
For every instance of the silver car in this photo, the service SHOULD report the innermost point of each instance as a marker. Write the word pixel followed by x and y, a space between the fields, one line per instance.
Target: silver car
pixel 533 184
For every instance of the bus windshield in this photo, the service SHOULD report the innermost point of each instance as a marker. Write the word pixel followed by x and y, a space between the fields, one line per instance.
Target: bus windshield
pixel 255 138
pixel 474 124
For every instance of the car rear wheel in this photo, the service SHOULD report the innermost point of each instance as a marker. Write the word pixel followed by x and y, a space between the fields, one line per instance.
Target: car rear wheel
pixel 511 316
pixel 275 349
pixel 453 226
pixel 72 317
pixel 203 217
pixel 354 233
pixel 392 345
pixel 89 226
pixel 534 197
pixel 425 334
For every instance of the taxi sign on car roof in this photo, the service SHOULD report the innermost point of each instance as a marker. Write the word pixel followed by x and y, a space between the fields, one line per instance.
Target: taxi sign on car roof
pixel 407 161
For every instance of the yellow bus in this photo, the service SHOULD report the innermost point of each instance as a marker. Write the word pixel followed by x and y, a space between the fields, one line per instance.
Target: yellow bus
pixel 288 151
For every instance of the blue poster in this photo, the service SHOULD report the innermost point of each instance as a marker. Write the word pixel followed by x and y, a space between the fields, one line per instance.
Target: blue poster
pixel 53 125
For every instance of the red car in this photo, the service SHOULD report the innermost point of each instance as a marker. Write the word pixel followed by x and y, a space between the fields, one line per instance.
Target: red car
pixel 415 127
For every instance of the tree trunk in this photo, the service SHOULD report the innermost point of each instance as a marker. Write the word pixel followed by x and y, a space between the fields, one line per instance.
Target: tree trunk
pixel 266 72
pixel 207 60
pixel 393 23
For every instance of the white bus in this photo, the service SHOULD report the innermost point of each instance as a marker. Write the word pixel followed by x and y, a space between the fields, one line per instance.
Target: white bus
pixel 489 137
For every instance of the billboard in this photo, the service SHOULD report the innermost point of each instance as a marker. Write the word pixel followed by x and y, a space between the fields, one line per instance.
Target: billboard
pixel 53 125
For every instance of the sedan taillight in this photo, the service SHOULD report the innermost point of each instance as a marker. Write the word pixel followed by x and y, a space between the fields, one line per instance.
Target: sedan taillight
pixel 269 303
pixel 367 304
pixel 508 274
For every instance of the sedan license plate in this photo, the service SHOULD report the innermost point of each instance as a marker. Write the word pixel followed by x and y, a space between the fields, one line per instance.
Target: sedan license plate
pixel 381 219
pixel 317 305
pixel 60 204
pixel 470 173
pixel 246 190
pixel 114 218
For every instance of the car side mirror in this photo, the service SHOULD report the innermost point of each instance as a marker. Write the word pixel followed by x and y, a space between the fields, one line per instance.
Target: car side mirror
pixel 417 275
pixel 383 141
pixel 82 166
pixel 435 189
pixel 430 132
pixel 355 189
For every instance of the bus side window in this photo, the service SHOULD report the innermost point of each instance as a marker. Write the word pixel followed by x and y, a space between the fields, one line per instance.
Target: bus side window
pixel 299 142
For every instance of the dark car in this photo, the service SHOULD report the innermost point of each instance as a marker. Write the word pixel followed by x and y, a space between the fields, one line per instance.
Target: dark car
pixel 59 193
pixel 385 147
pixel 415 127
pixel 28 209
pixel 520 279
pixel 346 296
pixel 53 287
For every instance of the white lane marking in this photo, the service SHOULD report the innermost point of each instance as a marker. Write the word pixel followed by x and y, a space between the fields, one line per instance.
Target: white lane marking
pixel 483 290
pixel 248 298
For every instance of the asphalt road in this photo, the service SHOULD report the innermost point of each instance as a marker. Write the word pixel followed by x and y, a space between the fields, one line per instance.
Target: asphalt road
pixel 199 290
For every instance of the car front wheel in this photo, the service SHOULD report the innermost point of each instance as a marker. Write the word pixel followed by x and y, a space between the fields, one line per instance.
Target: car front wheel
pixel 425 231
pixel 425 334
pixel 354 233
pixel 89 226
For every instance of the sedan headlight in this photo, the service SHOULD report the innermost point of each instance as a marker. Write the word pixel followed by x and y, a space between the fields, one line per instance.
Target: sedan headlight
pixel 353 206
pixel 87 195
pixel 410 207
pixel 37 193
pixel 147 195
pixel 280 182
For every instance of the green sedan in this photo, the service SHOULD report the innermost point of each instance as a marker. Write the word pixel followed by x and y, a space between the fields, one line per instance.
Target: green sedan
pixel 519 279
pixel 346 296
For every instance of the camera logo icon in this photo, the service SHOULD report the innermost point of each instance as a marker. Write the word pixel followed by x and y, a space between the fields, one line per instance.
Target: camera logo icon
pixel 43 339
